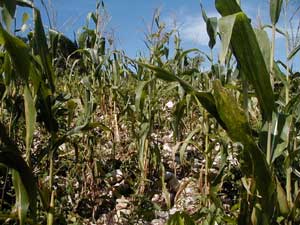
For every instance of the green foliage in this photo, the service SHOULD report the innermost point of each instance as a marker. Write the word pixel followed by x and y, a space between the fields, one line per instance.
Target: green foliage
pixel 180 219
pixel 275 9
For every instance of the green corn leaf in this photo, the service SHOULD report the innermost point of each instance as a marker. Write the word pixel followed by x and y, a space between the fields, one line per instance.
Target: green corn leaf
pixel 180 218
pixel 281 198
pixel 87 127
pixel 165 191
pixel 265 45
pixel 281 125
pixel 30 119
pixel 18 52
pixel 186 142
pixel 177 116
pixel 278 30
pixel 7 19
pixel 293 52
pixel 22 201
pixel 11 158
pixel 249 57
pixel 8 11
pixel 205 98
pixel 61 43
pixel 140 96
pixel 228 7
pixel 275 9
pixel 10 5
pixel 211 27
pixel 180 56
pixel 42 49
pixel 226 27
pixel 253 158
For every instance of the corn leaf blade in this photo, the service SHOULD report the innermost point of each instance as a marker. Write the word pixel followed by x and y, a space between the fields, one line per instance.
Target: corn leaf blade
pixel 239 130
pixel 205 98
pixel 18 52
pixel 11 158
pixel 275 9
pixel 42 49
pixel 250 58
pixel 30 119
pixel 22 201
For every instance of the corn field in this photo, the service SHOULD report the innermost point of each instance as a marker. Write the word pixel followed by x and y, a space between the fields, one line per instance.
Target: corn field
pixel 89 135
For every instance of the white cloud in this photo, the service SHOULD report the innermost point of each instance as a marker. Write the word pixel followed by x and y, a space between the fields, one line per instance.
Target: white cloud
pixel 192 28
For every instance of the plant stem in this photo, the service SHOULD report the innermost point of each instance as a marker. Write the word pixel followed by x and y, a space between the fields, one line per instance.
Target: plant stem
pixel 272 55
pixel 269 148
pixel 50 213
pixel 287 47
pixel 288 186
pixel 207 156
pixel 245 96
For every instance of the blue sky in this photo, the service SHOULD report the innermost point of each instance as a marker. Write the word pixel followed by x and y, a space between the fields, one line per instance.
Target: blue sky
pixel 129 19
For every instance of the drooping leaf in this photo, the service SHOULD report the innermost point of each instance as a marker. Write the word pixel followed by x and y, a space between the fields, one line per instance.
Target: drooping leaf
pixel 293 52
pixel 18 51
pixel 205 98
pixel 249 56
pixel 226 27
pixel 11 158
pixel 254 160
pixel 186 142
pixel 275 9
pixel 211 27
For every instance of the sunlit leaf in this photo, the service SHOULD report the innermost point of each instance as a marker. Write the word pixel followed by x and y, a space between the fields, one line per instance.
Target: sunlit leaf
pixel 239 130
pixel 18 52
pixel 275 9
pixel 228 7
pixel 30 119
pixel 226 27
pixel 211 27
pixel 249 56
pixel 281 198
